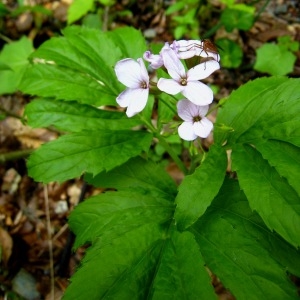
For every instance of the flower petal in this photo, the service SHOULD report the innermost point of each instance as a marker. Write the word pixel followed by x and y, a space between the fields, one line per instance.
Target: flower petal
pixel 156 60
pixel 169 86
pixel 124 98
pixel 138 102
pixel 130 73
pixel 187 110
pixel 198 92
pixel 186 132
pixel 203 70
pixel 173 64
pixel 134 99
pixel 203 128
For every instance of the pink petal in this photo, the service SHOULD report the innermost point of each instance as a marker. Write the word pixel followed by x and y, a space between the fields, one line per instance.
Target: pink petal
pixel 203 128
pixel 173 64
pixel 143 71
pixel 138 102
pixel 202 110
pixel 203 70
pixel 134 99
pixel 169 86
pixel 187 110
pixel 186 132
pixel 198 92
pixel 129 73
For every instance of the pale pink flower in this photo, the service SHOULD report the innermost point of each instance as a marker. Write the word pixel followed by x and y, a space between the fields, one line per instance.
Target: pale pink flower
pixel 188 82
pixel 195 123
pixel 189 48
pixel 133 74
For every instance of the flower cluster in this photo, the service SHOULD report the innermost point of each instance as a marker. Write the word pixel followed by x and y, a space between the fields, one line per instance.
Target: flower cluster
pixel 193 109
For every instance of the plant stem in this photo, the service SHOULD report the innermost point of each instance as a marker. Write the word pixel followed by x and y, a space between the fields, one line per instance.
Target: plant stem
pixel 167 147
pixel 15 155
pixel 174 156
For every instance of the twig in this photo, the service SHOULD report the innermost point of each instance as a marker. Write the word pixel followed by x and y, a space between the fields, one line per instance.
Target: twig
pixel 48 220
pixel 15 155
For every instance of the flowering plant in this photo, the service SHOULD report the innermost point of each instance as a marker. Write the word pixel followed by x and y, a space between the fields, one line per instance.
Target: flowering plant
pixel 235 213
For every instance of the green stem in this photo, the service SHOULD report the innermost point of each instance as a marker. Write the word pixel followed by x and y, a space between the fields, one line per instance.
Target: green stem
pixel 15 155
pixel 167 147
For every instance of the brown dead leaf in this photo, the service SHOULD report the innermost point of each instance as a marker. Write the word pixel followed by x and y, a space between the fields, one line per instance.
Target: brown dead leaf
pixel 6 244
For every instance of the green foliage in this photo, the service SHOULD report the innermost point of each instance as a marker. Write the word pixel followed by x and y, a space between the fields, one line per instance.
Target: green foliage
pixel 13 62
pixel 230 52
pixel 149 239
pixel 184 15
pixel 233 18
pixel 277 59
pixel 263 114
pixel 78 9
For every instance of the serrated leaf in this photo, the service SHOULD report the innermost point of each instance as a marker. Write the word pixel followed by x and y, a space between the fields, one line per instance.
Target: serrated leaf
pixel 137 175
pixel 14 60
pixel 245 106
pixel 197 191
pixel 181 273
pixel 67 84
pixel 268 53
pixel 112 214
pixel 78 9
pixel 82 51
pixel 268 193
pixel 285 158
pixel 130 41
pixel 94 151
pixel 241 251
pixel 74 117
pixel 121 268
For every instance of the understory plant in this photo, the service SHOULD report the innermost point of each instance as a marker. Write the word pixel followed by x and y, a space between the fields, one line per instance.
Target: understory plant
pixel 235 214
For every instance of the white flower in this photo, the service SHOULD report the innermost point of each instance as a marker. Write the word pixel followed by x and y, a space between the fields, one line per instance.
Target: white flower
pixel 155 60
pixel 195 123
pixel 133 74
pixel 189 48
pixel 187 82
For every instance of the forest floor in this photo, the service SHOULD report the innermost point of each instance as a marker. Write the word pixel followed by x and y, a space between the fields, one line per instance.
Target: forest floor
pixel 30 211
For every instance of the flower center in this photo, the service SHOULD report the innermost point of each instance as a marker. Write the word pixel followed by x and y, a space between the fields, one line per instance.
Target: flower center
pixel 144 85
pixel 196 119
pixel 183 81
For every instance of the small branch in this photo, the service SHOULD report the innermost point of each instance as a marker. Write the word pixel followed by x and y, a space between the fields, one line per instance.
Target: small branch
pixel 4 157
pixel 48 220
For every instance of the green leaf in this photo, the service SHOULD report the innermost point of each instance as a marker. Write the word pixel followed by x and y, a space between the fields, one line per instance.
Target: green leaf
pixel 74 117
pixel 137 175
pixel 65 84
pixel 13 59
pixel 121 268
pixel 230 52
pixel 112 214
pixel 242 252
pixel 267 54
pixel 78 9
pixel 197 191
pixel 235 18
pixel 130 41
pixel 79 59
pixel 181 273
pixel 245 106
pixel 140 254
pixel 259 128
pixel 89 151
pixel 285 158
pixel 268 193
